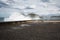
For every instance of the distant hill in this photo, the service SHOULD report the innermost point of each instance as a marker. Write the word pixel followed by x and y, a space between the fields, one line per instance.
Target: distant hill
pixel 1 19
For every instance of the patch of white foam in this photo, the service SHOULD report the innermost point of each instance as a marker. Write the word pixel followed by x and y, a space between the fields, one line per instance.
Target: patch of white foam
pixel 23 25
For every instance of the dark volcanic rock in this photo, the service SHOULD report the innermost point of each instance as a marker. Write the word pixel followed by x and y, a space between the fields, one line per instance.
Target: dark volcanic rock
pixel 36 31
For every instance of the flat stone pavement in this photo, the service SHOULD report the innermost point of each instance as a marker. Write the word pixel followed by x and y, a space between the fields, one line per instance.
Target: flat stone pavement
pixel 30 31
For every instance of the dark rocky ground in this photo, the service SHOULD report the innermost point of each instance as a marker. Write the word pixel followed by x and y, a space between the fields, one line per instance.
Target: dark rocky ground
pixel 30 31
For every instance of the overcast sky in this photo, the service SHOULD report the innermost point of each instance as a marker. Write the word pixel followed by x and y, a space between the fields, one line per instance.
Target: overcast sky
pixel 40 7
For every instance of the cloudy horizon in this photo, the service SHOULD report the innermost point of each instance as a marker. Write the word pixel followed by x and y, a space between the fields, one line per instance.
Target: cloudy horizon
pixel 39 7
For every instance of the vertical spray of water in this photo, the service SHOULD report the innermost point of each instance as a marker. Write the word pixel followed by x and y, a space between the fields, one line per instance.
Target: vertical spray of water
pixel 15 16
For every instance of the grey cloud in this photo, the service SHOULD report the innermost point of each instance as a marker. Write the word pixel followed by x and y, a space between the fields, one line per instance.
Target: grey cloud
pixel 2 4
pixel 45 0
